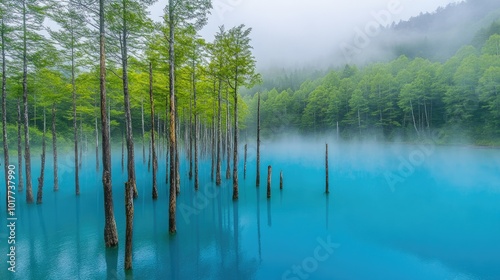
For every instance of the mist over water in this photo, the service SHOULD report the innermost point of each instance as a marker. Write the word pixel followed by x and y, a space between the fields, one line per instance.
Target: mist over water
pixel 436 217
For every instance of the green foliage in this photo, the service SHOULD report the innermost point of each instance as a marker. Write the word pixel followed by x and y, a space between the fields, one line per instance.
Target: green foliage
pixel 404 98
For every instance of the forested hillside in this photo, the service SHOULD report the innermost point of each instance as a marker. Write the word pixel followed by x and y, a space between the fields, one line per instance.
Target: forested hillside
pixel 403 99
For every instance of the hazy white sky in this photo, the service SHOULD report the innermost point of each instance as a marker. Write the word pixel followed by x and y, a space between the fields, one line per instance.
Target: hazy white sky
pixel 297 32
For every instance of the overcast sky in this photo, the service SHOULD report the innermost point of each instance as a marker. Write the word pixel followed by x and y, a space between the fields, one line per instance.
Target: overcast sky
pixel 298 32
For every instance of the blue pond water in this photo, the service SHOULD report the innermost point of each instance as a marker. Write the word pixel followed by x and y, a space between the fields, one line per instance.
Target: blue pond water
pixel 394 212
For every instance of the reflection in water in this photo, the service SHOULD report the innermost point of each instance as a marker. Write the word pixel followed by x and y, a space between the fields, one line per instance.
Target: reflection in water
pixel 111 255
pixel 258 225
pixel 269 221
pixel 327 198
pixel 225 240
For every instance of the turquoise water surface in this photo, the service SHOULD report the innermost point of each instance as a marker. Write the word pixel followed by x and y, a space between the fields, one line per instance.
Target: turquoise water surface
pixel 393 212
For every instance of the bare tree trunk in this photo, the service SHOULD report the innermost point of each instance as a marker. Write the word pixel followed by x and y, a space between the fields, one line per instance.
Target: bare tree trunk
pixel 190 133
pixel 42 170
pixel 213 130
pixel 327 190
pixel 4 117
pixel 245 163
pixel 257 179
pixel 123 152
pixel 172 228
pixel 228 145
pixel 219 136
pixel 81 141
pixel 96 148
pixel 155 160
pixel 129 230
pixel 126 100
pixel 196 174
pixel 235 144
pixel 75 127
pixel 143 132
pixel 131 185
pixel 269 171
pixel 27 154
pixel 413 116
pixel 177 158
pixel 110 232
pixel 54 147
pixel 19 148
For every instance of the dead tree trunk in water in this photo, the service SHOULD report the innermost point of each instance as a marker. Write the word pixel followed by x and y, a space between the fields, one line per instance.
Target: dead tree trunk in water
pixel 81 143
pixel 172 228
pixel 269 171
pixel 219 136
pixel 110 232
pixel 213 130
pixel 129 212
pixel 257 179
pixel 42 169
pixel 126 100
pixel 235 142
pixel 143 132
pixel 245 163
pixel 228 141
pixel 152 104
pixel 19 148
pixel 96 147
pixel 196 175
pixel 4 116
pixel 327 191
pixel 75 127
pixel 189 129
pixel 123 152
pixel 281 180
pixel 54 147
pixel 27 153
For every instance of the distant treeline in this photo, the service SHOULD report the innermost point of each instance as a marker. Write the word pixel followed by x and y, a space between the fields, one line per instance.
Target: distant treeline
pixel 406 98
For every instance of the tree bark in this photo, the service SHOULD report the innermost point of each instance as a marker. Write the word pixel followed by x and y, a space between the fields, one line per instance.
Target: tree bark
pixel 228 145
pixel 190 130
pixel 143 132
pixel 172 228
pixel 27 153
pixel 153 150
pixel 269 171
pixel 75 127
pixel 327 191
pixel 413 116
pixel 4 117
pixel 96 148
pixel 123 152
pixel 42 169
pixel 128 115
pixel 131 185
pixel 219 136
pixel 245 163
pixel 235 144
pixel 129 231
pixel 110 232
pixel 54 147
pixel 19 148
pixel 257 179
pixel 196 174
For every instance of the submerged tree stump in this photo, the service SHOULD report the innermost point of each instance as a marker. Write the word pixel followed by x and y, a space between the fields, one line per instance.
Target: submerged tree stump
pixel 245 163
pixel 129 212
pixel 327 191
pixel 269 171
pixel 281 180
